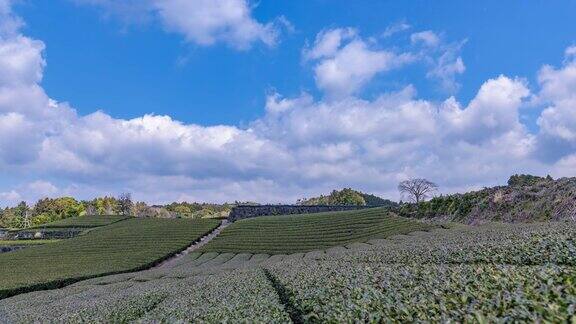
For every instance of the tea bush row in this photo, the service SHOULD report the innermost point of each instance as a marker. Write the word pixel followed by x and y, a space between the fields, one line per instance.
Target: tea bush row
pixel 519 244
pixel 85 221
pixel 303 233
pixel 356 292
pixel 489 273
pixel 124 246
pixel 241 296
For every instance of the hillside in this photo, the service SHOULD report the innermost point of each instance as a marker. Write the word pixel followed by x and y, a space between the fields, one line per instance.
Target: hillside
pixel 128 245
pixel 494 273
pixel 525 198
pixel 84 221
pixel 303 233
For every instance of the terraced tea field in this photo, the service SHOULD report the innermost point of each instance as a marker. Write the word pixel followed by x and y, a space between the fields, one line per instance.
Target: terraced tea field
pixel 65 228
pixel 491 273
pixel 303 233
pixel 495 273
pixel 26 242
pixel 13 245
pixel 128 245
pixel 85 221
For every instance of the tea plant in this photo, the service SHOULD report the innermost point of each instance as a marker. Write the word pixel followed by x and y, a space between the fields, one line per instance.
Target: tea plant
pixel 351 292
pixel 491 273
pixel 303 233
pixel 240 296
pixel 124 246
pixel 84 221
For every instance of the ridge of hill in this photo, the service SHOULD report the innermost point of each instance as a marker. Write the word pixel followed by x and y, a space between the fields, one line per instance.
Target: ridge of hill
pixel 348 196
pixel 525 198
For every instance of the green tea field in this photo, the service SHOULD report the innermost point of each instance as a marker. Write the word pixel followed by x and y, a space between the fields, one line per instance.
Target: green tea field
pixel 479 274
pixel 85 221
pixel 303 233
pixel 128 245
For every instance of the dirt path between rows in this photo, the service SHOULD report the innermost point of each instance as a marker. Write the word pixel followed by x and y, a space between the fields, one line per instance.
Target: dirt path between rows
pixel 168 263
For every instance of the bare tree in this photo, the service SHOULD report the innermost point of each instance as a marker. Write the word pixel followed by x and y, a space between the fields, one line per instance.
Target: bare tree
pixel 125 204
pixel 417 189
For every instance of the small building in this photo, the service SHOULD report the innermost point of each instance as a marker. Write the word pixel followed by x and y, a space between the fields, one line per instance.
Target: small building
pixel 3 233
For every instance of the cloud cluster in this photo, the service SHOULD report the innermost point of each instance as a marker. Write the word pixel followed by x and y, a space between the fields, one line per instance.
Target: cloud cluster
pixel 443 59
pixel 301 146
pixel 202 22
pixel 374 144
pixel 344 62
pixel 9 23
pixel 558 120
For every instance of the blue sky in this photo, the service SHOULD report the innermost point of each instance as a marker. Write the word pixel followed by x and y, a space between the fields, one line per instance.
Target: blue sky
pixel 101 62
pixel 247 91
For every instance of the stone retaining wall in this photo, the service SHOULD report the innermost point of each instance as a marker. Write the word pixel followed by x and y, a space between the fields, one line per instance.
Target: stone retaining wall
pixel 242 212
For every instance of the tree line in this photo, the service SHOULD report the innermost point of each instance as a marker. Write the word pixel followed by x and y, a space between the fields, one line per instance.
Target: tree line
pixel 346 196
pixel 47 210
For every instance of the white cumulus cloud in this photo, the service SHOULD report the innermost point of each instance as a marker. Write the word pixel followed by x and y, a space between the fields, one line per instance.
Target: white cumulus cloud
pixel 202 22
pixel 557 121
pixel 493 112
pixel 443 59
pixel 344 62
